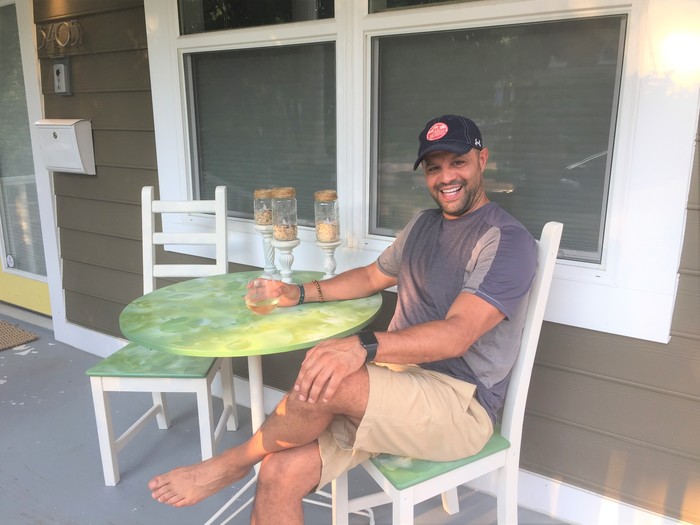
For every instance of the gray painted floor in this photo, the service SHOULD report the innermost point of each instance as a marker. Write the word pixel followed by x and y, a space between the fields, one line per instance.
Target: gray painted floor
pixel 50 470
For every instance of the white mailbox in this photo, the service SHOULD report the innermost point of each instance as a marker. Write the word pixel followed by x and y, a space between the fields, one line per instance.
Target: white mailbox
pixel 66 145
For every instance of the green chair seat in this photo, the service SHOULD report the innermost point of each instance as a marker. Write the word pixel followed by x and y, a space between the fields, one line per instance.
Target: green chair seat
pixel 137 361
pixel 404 472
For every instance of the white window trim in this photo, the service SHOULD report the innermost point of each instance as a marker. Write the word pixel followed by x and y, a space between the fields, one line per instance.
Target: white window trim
pixel 632 293
pixel 33 102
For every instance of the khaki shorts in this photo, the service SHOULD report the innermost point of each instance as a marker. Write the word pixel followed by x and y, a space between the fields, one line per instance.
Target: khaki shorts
pixel 410 412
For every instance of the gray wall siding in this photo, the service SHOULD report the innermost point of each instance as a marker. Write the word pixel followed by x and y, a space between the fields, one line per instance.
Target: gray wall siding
pixel 621 416
pixel 615 415
pixel 99 216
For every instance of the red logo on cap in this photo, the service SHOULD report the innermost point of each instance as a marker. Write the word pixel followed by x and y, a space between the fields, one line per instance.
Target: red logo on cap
pixel 437 131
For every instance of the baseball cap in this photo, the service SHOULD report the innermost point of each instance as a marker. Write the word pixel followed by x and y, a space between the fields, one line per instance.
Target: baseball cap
pixel 448 133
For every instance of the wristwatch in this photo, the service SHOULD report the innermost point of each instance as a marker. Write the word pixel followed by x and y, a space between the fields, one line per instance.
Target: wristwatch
pixel 369 342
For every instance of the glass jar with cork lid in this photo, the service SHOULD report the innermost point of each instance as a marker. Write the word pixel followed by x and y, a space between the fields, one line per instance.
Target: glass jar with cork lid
pixel 284 214
pixel 262 207
pixel 326 214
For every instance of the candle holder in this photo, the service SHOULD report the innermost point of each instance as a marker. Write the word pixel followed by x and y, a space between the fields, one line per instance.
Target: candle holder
pixel 262 212
pixel 266 231
pixel 329 264
pixel 286 258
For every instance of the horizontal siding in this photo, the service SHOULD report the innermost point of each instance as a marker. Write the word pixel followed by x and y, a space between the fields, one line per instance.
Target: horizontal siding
pixel 109 252
pixel 619 408
pixel 101 282
pixel 108 111
pixel 646 477
pixel 686 317
pixel 622 358
pixel 280 371
pixel 690 256
pixel 103 73
pixel 93 34
pixel 117 184
pixel 119 254
pixel 101 217
pixel 95 312
pixel 128 149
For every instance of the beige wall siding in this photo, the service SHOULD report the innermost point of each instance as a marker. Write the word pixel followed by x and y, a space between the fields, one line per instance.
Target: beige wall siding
pixel 621 416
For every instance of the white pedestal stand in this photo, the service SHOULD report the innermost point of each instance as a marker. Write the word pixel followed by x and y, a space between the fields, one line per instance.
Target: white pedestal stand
pixel 286 259
pixel 329 264
pixel 266 231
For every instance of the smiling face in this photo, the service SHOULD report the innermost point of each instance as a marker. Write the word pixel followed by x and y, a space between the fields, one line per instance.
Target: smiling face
pixel 456 182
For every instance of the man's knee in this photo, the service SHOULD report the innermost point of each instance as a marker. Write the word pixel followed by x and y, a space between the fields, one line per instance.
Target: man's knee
pixel 350 399
pixel 297 470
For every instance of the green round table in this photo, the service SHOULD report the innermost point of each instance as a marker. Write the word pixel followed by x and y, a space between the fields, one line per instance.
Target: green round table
pixel 207 316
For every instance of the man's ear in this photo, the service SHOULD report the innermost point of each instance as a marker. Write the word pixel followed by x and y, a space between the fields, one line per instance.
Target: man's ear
pixel 483 157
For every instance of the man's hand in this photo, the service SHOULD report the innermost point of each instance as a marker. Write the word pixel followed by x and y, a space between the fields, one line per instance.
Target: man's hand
pixel 326 366
pixel 288 293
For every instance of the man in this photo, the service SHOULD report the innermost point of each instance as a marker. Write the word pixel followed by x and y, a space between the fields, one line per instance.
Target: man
pixel 463 273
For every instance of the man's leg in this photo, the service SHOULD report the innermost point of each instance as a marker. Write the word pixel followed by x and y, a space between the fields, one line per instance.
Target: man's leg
pixel 294 424
pixel 283 481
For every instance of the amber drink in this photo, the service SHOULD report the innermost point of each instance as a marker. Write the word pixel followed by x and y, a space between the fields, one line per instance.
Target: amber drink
pixel 260 298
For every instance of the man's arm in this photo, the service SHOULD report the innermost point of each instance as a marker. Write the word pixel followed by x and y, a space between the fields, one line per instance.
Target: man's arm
pixel 327 364
pixel 352 284
pixel 468 319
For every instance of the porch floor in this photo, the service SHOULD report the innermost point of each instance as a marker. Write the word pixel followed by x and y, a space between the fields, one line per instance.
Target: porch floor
pixel 50 471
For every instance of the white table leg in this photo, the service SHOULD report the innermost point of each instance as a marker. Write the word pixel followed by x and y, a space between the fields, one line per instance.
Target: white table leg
pixel 257 418
pixel 257 399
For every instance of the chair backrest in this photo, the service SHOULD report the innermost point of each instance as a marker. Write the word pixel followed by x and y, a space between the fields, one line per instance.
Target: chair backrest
pixel 514 407
pixel 152 238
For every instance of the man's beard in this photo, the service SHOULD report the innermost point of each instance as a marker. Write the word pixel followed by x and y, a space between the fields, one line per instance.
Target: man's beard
pixel 462 206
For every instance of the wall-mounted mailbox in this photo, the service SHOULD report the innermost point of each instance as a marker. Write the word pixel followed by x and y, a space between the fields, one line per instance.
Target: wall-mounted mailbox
pixel 66 145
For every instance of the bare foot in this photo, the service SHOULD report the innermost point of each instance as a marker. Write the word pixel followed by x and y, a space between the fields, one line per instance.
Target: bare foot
pixel 185 486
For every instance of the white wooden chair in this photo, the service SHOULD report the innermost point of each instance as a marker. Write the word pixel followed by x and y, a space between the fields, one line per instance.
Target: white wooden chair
pixel 138 369
pixel 406 482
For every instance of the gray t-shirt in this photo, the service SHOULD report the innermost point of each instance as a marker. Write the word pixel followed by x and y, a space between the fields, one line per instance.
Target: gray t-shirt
pixel 487 253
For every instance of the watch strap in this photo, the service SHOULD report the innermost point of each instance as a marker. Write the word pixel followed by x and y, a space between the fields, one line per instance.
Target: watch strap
pixel 369 342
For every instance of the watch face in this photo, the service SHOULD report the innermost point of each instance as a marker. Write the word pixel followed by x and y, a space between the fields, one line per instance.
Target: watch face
pixel 369 342
pixel 367 338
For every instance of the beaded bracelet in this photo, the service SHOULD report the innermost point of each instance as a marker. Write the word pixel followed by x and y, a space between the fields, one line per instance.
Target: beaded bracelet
pixel 301 294
pixel 318 288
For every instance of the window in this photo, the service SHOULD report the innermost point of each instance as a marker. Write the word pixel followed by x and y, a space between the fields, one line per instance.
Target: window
pixel 22 245
pixel 263 118
pixel 198 16
pixel 377 6
pixel 572 99
pixel 545 98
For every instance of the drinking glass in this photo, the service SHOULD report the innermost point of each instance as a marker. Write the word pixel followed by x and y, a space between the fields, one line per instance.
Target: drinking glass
pixel 260 298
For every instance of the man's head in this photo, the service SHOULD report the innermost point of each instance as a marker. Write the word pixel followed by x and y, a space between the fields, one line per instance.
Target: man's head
pixel 448 133
pixel 453 160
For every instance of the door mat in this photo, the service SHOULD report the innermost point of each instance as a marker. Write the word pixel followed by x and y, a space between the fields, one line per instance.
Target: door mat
pixel 12 335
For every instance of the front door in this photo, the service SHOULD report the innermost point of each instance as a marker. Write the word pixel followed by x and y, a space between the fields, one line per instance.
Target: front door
pixel 23 279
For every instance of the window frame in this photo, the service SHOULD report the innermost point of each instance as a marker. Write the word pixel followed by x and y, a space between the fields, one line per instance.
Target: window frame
pixel 620 295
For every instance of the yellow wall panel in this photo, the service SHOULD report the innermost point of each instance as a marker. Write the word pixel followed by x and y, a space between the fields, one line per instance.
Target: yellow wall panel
pixel 26 293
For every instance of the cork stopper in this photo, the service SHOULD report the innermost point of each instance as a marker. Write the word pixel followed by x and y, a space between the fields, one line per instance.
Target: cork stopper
pixel 283 193
pixel 262 193
pixel 326 195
